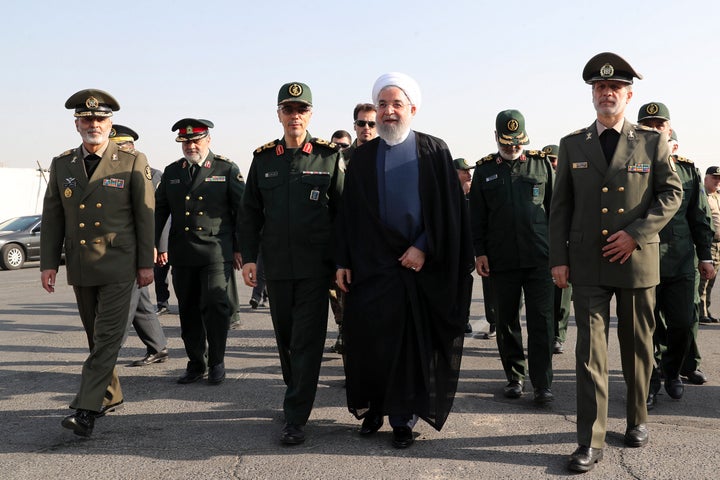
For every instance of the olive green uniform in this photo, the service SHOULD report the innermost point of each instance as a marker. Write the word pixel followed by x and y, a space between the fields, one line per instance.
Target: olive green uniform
pixel 203 237
pixel 106 225
pixel 288 210
pixel 689 233
pixel 510 202
pixel 636 191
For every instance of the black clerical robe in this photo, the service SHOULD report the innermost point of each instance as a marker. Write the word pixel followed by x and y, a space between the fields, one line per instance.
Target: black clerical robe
pixel 404 330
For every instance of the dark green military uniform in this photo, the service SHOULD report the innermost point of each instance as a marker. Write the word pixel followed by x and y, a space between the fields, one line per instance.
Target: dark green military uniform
pixel 510 202
pixel 688 233
pixel 203 238
pixel 289 206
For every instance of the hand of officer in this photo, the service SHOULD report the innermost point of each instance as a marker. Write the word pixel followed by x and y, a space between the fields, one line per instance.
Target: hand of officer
pixel 707 271
pixel 249 273
pixel 47 277
pixel 482 266
pixel 413 258
pixel 343 278
pixel 144 277
pixel 237 260
pixel 560 275
pixel 620 246
pixel 162 259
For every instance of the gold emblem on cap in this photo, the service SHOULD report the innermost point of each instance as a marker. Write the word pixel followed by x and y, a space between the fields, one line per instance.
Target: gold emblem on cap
pixel 112 132
pixel 295 90
pixel 607 70
pixel 92 103
pixel 652 109
pixel 512 125
pixel 547 150
pixel 188 130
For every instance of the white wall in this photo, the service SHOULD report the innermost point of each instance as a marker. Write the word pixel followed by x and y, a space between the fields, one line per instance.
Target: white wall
pixel 21 191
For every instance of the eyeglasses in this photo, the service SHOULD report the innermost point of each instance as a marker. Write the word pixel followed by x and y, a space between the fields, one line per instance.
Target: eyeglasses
pixel 342 145
pixel 289 109
pixel 398 105
pixel 362 123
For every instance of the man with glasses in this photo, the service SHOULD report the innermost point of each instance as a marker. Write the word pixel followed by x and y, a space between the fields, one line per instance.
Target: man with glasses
pixel 202 191
pixel 289 205
pixel 364 123
pixel 404 258
pixel 99 204
pixel 342 139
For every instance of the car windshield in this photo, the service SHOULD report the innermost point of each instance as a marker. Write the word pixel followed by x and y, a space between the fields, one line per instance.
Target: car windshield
pixel 17 224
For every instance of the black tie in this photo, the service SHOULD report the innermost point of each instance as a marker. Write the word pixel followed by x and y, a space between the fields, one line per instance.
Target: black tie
pixel 91 163
pixel 609 140
pixel 193 171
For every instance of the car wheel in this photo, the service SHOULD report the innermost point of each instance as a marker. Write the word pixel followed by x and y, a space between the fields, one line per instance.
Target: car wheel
pixel 13 257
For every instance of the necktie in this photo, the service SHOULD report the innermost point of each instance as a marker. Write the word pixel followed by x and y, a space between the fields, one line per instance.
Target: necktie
pixel 193 172
pixel 609 140
pixel 91 163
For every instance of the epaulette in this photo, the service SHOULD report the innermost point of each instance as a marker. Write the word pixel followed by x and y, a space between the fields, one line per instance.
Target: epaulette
pixel 66 153
pixel 678 158
pixel 485 159
pixel 576 132
pixel 535 153
pixel 267 146
pixel 324 143
pixel 220 157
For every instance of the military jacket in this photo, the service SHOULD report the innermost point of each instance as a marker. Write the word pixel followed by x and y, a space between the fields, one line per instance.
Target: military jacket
pixel 509 207
pixel 638 192
pixel 205 211
pixel 105 222
pixel 289 207
pixel 690 230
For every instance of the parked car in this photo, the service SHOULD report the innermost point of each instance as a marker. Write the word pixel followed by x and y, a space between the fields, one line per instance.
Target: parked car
pixel 19 241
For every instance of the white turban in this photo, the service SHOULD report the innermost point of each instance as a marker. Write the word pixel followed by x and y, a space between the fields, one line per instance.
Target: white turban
pixel 403 82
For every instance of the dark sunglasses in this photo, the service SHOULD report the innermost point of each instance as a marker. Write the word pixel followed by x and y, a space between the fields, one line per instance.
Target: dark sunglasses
pixel 289 109
pixel 342 145
pixel 362 123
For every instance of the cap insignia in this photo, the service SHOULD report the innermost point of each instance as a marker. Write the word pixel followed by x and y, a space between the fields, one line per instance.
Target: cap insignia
pixel 547 150
pixel 112 133
pixel 295 90
pixel 652 109
pixel 188 130
pixel 92 102
pixel 512 125
pixel 607 70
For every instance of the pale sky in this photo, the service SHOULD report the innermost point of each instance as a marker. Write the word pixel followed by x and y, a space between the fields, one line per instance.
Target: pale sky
pixel 225 61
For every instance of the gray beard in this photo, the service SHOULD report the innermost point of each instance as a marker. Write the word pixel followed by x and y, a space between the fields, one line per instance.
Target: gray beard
pixel 393 134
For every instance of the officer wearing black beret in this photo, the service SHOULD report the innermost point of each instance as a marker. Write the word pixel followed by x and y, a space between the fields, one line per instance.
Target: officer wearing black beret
pixel 202 191
pixel 289 205
pixel 615 189
pixel 99 203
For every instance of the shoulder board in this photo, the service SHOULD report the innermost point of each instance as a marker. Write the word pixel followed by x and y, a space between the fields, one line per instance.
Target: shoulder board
pixel 678 158
pixel 220 157
pixel 267 146
pixel 576 132
pixel 324 143
pixel 485 159
pixel 66 153
pixel 535 153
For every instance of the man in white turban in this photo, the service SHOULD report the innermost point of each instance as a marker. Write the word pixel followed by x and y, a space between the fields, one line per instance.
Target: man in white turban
pixel 404 257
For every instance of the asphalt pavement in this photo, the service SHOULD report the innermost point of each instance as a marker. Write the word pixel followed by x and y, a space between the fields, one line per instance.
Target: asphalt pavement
pixel 231 431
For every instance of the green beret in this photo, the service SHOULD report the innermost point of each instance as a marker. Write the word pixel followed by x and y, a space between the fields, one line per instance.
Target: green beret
pixel 510 128
pixel 295 92
pixel 609 66
pixel 653 110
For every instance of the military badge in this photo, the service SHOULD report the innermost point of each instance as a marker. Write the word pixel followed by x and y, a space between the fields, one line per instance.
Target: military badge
pixel 547 150
pixel 607 70
pixel 188 130
pixel 92 103
pixel 652 108
pixel 579 165
pixel 315 194
pixel 491 178
pixel 216 178
pixel 307 148
pixel 68 192
pixel 631 135
pixel 512 125
pixel 70 182
pixel 295 90
pixel 114 182
pixel 639 168
pixel 148 172
pixel 207 164
pixel 588 136
pixel 279 150
pixel 113 133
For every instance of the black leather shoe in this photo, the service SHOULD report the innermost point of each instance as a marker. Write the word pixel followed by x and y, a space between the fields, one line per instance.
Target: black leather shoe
pixel 109 408
pixel 541 396
pixel 636 436
pixel 402 437
pixel 491 333
pixel 583 459
pixel 81 422
pixel 254 303
pixel 651 400
pixel 696 377
pixel 709 320
pixel 292 435
pixel 371 424
pixel 675 388
pixel 217 374
pixel 513 389
pixel 190 377
pixel 558 347
pixel 468 328
pixel 157 357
